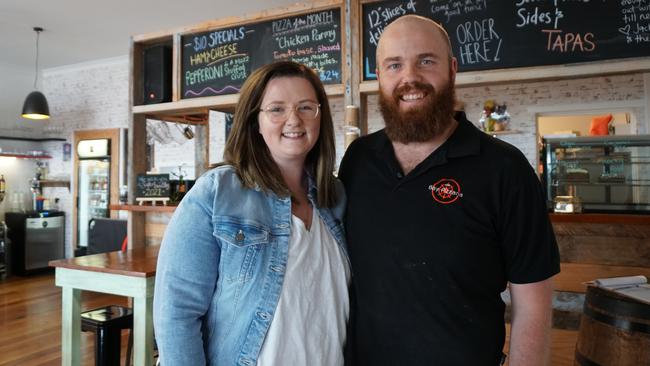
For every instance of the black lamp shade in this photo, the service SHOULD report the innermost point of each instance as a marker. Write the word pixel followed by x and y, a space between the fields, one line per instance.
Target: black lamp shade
pixel 35 106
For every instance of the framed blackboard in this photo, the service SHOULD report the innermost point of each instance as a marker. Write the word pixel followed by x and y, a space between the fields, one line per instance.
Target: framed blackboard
pixel 152 186
pixel 494 34
pixel 218 61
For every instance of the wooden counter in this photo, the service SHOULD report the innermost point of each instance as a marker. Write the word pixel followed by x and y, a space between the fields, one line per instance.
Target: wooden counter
pixel 596 246
pixel 601 218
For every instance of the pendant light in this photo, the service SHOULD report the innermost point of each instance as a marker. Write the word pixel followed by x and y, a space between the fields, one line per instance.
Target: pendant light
pixel 35 106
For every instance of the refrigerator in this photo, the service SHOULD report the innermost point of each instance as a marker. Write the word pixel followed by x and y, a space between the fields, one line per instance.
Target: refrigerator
pixel 94 182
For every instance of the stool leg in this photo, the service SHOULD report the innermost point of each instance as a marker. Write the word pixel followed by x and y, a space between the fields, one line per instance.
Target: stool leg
pixel 129 349
pixel 108 346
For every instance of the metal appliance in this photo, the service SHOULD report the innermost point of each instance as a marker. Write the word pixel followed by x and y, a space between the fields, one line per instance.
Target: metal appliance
pixel 35 238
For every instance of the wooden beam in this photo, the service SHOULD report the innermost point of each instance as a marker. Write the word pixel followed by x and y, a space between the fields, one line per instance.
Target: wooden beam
pixel 351 67
pixel 176 68
pixel 136 160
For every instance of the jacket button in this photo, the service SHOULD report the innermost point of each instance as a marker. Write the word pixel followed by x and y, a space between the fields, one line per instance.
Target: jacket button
pixel 240 235
pixel 263 316
pixel 275 268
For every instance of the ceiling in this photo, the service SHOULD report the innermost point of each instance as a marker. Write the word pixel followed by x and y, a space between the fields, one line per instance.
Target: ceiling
pixel 79 31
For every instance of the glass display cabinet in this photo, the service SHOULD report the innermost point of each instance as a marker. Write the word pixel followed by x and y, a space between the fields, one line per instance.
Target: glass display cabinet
pixel 603 173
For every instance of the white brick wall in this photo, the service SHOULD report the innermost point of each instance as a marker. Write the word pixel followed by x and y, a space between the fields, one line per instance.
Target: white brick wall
pixel 589 95
pixel 82 97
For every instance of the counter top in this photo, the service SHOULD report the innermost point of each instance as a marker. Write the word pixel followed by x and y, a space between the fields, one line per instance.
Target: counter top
pixel 138 262
pixel 144 208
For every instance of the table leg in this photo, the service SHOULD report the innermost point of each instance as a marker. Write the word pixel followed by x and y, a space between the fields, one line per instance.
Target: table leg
pixel 71 327
pixel 143 331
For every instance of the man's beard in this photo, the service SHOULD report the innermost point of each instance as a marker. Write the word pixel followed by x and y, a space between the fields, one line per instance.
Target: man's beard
pixel 418 124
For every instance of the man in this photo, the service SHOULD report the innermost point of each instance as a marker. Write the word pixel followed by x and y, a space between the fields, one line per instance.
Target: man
pixel 440 218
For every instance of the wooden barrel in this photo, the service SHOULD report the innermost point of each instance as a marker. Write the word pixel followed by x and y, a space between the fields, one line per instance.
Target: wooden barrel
pixel 614 331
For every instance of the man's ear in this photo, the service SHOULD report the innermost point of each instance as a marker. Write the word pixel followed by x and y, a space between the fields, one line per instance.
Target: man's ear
pixel 454 64
pixel 453 69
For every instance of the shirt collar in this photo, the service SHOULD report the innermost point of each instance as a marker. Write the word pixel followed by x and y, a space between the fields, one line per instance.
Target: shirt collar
pixel 465 140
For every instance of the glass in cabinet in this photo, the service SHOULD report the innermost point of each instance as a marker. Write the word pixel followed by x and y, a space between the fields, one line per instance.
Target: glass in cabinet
pixel 605 173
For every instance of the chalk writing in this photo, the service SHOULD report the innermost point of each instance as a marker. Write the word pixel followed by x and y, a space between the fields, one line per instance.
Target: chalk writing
pixel 537 16
pixel 307 21
pixel 559 41
pixel 450 9
pixel 636 21
pixel 154 185
pixel 478 42
pixel 488 34
pixel 377 19
pixel 218 61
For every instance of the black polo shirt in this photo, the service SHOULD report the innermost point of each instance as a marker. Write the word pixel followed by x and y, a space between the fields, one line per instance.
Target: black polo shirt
pixel 432 251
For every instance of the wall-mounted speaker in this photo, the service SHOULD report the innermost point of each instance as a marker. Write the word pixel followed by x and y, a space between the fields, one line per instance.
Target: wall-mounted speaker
pixel 157 74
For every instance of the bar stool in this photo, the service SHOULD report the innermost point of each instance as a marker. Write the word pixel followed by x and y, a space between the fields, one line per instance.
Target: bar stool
pixel 107 322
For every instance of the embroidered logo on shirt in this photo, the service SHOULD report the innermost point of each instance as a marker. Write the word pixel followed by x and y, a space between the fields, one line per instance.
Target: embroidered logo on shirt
pixel 445 191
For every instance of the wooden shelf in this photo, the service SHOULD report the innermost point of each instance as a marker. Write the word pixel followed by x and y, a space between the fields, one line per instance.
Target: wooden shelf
pixel 25 156
pixel 143 208
pixel 199 107
pixel 54 183
pixel 506 132
pixel 188 106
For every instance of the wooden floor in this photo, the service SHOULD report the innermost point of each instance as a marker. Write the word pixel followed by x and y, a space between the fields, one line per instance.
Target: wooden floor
pixel 30 321
pixel 30 324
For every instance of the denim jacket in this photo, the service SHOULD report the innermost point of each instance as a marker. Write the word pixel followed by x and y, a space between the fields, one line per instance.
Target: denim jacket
pixel 220 270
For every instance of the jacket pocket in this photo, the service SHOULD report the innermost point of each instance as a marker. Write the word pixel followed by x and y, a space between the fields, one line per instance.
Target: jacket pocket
pixel 242 241
pixel 240 232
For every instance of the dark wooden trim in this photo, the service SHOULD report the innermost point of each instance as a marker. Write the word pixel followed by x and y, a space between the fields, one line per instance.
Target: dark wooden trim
pixel 602 218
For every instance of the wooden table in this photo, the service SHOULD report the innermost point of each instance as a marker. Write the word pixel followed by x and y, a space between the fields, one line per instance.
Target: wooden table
pixel 129 273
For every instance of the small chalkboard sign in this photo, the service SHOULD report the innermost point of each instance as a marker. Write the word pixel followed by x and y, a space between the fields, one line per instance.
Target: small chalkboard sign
pixel 152 186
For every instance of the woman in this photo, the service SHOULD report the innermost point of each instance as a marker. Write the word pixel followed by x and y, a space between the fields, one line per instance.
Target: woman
pixel 252 269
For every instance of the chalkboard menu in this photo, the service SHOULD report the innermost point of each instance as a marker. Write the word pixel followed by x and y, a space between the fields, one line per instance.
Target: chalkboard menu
pixel 152 186
pixel 491 34
pixel 218 61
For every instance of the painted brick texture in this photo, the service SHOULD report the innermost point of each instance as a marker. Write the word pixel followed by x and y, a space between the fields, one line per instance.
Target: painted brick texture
pixel 525 99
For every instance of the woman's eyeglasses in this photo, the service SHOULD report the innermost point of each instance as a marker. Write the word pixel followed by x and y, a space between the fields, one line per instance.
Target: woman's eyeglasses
pixel 278 112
